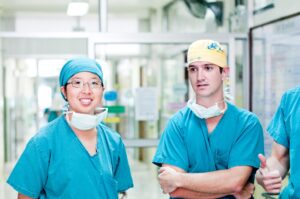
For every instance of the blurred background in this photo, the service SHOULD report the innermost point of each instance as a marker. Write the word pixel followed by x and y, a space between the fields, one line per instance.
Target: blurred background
pixel 141 46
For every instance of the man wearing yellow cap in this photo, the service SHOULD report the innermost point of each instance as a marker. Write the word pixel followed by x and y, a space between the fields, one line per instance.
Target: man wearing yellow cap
pixel 209 148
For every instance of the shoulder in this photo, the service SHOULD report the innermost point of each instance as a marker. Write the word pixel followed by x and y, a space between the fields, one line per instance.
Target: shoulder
pixel 51 128
pixel 293 91
pixel 181 116
pixel 111 135
pixel 289 104
pixel 44 138
pixel 291 95
pixel 242 115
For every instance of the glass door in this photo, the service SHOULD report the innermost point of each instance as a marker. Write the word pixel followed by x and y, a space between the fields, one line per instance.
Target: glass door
pixel 274 67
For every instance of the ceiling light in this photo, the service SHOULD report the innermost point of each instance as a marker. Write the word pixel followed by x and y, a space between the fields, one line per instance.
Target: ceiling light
pixel 77 9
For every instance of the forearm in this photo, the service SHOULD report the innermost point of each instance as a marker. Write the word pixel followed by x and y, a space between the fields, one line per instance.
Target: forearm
pixel 189 194
pixel 282 165
pixel 21 196
pixel 217 182
pixel 279 159
pixel 273 170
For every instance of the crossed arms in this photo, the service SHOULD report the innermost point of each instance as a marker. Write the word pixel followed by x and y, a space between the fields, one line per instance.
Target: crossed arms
pixel 215 184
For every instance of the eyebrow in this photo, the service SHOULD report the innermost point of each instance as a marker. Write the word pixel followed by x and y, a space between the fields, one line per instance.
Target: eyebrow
pixel 74 77
pixel 208 64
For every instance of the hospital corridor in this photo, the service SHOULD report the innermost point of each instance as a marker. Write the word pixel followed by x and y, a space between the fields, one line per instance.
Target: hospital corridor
pixel 145 76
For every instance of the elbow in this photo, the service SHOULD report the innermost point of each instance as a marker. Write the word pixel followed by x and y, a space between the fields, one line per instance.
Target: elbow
pixel 176 193
pixel 236 186
pixel 239 178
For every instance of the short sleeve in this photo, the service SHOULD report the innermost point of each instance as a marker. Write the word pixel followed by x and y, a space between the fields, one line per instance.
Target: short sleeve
pixel 122 173
pixel 248 145
pixel 277 127
pixel 30 172
pixel 172 149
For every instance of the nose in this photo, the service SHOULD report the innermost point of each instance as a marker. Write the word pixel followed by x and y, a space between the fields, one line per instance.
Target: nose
pixel 200 74
pixel 86 88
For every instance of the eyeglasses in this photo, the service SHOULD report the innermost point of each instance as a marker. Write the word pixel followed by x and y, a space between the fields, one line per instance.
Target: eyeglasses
pixel 93 84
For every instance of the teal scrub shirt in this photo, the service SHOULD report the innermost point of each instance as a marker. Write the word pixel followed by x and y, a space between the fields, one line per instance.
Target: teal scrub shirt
pixel 55 164
pixel 236 141
pixel 284 128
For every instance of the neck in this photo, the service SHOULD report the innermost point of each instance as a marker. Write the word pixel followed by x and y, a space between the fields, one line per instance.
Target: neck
pixel 206 102
pixel 85 135
pixel 222 104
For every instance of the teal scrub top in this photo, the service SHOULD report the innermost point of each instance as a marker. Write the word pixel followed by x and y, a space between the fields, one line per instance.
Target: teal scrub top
pixel 236 141
pixel 55 164
pixel 284 128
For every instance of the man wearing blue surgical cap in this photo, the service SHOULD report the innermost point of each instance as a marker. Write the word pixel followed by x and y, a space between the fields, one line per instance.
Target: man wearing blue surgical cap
pixel 75 156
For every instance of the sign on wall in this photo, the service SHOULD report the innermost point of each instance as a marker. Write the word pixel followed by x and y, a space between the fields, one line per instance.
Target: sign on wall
pixel 146 108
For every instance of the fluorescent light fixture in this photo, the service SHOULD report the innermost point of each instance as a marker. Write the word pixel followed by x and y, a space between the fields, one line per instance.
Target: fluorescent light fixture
pixel 77 9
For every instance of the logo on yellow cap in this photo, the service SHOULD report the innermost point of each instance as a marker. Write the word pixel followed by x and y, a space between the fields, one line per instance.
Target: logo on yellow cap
pixel 215 46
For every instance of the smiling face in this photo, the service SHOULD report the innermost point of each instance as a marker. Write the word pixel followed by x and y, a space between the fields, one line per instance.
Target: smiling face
pixel 83 98
pixel 207 81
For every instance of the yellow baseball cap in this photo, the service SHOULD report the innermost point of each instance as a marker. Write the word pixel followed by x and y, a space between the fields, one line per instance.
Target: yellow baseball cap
pixel 207 50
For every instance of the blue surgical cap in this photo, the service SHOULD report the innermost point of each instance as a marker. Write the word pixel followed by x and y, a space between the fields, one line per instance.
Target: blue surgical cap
pixel 78 65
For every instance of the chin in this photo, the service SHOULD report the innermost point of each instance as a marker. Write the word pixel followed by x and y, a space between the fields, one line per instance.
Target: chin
pixel 203 94
pixel 84 110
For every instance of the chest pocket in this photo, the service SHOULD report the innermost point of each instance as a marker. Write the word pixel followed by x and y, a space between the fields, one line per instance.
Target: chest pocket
pixel 221 159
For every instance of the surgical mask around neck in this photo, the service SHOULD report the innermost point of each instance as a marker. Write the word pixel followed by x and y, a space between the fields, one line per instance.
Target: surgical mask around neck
pixel 204 113
pixel 85 122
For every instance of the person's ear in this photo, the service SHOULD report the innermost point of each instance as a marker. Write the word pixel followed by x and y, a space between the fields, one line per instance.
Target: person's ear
pixel 64 92
pixel 102 94
pixel 225 73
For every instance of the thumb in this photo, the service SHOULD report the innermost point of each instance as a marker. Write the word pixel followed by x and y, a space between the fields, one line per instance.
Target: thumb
pixel 263 161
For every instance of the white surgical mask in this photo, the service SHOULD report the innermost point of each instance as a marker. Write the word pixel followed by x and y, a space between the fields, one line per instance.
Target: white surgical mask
pixel 204 113
pixel 85 122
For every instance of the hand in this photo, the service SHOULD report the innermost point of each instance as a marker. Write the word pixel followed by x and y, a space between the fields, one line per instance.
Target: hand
pixel 168 179
pixel 269 179
pixel 246 192
pixel 122 195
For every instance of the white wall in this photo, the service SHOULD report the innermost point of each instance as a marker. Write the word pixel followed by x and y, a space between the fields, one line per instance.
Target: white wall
pixel 56 22
pixel 7 22
pixel 281 8
pixel 1 117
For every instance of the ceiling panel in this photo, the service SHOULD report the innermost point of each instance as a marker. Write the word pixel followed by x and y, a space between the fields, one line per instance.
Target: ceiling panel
pixel 61 5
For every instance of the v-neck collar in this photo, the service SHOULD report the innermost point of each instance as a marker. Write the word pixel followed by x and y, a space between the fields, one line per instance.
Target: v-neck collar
pixel 216 129
pixel 80 143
